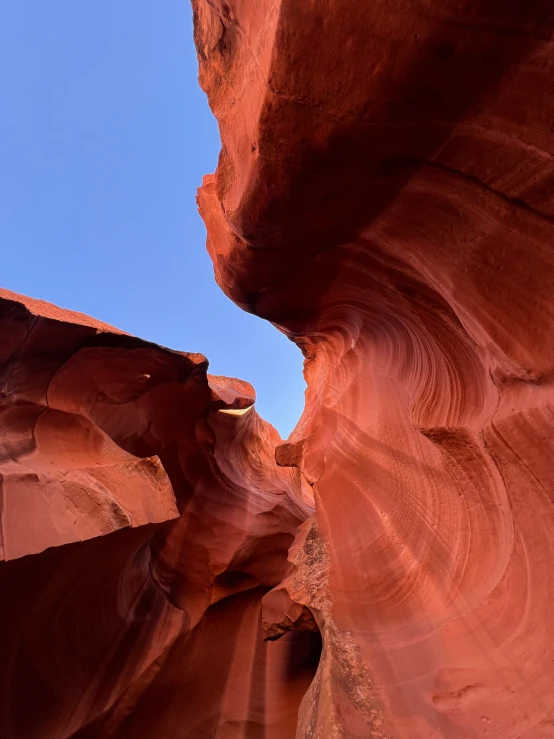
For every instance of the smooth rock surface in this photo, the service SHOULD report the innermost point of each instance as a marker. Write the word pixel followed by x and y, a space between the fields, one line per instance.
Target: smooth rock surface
pixel 144 517
pixel 385 195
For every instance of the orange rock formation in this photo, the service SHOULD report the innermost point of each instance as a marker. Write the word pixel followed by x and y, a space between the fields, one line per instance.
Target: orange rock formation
pixel 155 517
pixel 384 196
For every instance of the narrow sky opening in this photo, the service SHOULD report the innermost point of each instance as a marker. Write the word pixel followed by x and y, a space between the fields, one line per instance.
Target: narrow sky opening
pixel 104 138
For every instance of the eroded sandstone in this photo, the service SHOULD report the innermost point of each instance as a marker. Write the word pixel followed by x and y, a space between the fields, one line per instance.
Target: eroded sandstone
pixel 153 516
pixel 384 196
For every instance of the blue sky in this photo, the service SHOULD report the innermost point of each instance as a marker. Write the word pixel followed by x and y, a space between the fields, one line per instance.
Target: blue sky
pixel 104 138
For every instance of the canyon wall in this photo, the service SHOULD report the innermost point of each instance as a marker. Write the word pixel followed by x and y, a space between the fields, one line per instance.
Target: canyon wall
pixel 172 568
pixel 385 196
pixel 143 519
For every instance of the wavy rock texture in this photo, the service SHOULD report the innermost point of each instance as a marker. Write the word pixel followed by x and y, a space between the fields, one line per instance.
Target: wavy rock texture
pixel 154 518
pixel 385 196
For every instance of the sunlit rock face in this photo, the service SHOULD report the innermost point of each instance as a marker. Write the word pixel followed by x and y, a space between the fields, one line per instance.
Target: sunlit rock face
pixel 385 196
pixel 144 517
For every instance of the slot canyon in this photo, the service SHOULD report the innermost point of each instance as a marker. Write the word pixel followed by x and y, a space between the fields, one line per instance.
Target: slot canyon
pixel 172 568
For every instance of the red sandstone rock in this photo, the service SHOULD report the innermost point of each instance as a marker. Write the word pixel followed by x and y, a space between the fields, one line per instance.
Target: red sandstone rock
pixel 385 195
pixel 152 627
pixel 65 475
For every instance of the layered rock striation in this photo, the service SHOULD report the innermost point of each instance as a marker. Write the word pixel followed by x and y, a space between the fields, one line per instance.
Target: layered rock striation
pixel 143 519
pixel 385 197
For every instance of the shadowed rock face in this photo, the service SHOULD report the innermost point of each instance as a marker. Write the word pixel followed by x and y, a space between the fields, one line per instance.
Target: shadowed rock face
pixel 385 195
pixel 173 568
pixel 143 519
